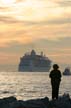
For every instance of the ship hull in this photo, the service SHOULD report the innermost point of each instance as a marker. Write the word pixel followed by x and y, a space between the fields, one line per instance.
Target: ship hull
pixel 34 69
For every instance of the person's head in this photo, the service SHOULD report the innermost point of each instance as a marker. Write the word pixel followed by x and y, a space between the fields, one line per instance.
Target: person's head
pixel 55 66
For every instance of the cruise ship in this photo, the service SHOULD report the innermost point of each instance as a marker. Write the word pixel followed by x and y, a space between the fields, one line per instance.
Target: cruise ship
pixel 33 62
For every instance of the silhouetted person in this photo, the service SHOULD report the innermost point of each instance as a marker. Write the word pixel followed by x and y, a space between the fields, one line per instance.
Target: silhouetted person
pixel 55 76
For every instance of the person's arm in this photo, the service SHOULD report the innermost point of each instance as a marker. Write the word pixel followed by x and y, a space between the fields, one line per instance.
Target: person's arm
pixel 60 75
pixel 50 75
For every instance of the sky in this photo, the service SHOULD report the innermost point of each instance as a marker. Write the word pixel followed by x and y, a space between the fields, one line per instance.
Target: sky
pixel 43 25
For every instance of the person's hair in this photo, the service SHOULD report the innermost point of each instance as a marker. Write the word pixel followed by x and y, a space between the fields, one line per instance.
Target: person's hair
pixel 55 66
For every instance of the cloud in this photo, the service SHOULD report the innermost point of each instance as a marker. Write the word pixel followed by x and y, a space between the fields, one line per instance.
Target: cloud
pixel 28 32
pixel 43 25
pixel 58 21
pixel 64 3
pixel 58 51
pixel 54 21
pixel 4 8
pixel 55 50
pixel 63 45
pixel 33 12
pixel 17 1
pixel 6 19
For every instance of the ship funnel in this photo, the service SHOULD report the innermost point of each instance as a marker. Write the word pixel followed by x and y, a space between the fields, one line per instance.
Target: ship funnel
pixel 42 53
pixel 33 53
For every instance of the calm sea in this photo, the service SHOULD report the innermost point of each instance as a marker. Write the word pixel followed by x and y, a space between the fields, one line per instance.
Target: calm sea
pixel 30 85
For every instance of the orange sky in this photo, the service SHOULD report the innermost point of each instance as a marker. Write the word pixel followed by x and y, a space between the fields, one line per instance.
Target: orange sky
pixel 39 24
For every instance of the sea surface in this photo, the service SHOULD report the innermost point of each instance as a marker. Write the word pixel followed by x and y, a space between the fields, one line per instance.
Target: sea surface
pixel 30 85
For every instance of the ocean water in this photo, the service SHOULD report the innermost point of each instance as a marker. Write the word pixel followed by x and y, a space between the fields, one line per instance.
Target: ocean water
pixel 25 85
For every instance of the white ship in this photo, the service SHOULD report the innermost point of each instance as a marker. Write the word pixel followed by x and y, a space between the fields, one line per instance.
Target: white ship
pixel 34 63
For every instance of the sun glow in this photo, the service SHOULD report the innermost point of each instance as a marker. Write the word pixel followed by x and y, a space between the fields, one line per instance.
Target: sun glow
pixel 32 10
pixel 7 2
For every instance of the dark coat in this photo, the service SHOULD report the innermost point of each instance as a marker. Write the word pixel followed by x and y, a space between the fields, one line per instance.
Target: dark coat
pixel 55 76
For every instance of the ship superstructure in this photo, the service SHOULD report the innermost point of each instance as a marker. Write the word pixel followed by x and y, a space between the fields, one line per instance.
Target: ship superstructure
pixel 34 63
